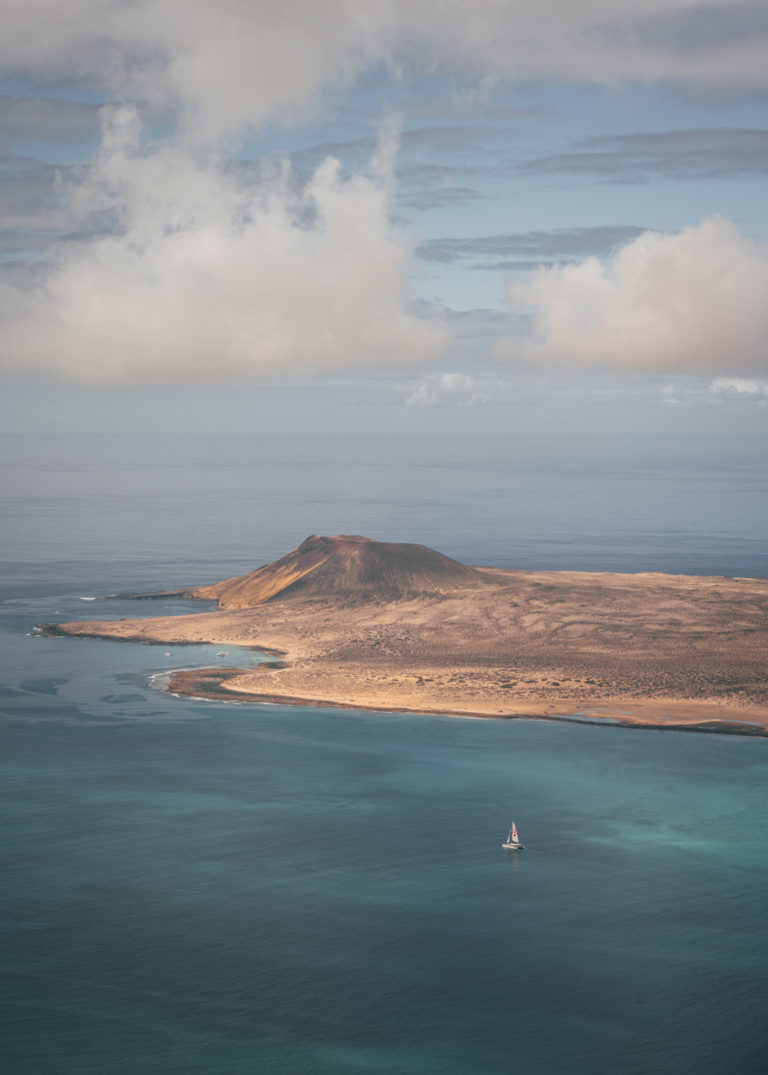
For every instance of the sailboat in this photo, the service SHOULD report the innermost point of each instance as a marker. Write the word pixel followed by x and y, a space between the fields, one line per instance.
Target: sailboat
pixel 513 840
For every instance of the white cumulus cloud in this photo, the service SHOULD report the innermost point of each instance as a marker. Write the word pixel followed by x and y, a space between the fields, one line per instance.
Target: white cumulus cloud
pixel 206 274
pixel 193 271
pixel 447 389
pixel 741 388
pixel 690 302
pixel 741 391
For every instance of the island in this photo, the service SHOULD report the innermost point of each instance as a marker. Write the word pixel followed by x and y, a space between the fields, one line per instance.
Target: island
pixel 362 624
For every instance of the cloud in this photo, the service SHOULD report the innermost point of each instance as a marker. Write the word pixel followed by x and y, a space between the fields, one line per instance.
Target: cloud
pixel 688 302
pixel 33 119
pixel 204 274
pixel 175 264
pixel 422 183
pixel 33 214
pixel 440 198
pixel 702 153
pixel 695 27
pixel 496 251
pixel 738 390
pixel 448 389
pixel 741 388
pixel 246 61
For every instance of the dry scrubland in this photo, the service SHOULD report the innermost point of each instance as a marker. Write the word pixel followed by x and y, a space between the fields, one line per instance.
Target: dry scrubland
pixel 368 624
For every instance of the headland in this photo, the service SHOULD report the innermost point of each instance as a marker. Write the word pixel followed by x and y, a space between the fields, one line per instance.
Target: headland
pixel 365 624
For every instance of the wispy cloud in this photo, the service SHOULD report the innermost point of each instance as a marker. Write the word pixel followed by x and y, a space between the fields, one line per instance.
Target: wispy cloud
pixel 32 119
pixel 33 210
pixel 701 153
pixel 530 247
pixel 690 302
pixel 440 198
pixel 696 27
pixel 432 169
pixel 245 61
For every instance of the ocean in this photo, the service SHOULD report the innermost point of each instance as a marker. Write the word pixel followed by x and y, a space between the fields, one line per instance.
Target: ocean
pixel 198 888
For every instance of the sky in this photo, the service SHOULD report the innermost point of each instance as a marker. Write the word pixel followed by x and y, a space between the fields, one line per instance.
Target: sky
pixel 335 215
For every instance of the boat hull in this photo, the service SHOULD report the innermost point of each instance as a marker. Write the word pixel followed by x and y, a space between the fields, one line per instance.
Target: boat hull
pixel 514 847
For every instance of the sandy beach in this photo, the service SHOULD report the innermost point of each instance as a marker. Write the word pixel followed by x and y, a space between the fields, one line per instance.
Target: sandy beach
pixel 646 649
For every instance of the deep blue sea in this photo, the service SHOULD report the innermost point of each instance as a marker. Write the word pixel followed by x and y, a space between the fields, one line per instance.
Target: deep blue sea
pixel 210 889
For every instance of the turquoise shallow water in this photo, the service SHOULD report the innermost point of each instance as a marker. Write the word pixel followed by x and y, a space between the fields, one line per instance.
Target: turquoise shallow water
pixel 191 888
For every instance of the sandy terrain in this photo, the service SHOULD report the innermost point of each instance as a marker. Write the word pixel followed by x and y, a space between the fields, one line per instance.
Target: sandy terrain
pixel 661 650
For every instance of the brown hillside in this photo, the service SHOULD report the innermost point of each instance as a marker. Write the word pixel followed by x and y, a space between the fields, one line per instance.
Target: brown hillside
pixel 345 565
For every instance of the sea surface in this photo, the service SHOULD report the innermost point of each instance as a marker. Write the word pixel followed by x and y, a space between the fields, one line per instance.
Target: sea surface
pixel 209 889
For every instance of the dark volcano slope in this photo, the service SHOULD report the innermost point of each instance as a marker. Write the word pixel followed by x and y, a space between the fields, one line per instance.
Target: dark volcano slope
pixel 344 566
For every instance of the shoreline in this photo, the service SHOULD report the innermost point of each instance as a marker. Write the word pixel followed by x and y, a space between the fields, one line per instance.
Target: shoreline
pixel 56 630
pixel 683 653
pixel 207 684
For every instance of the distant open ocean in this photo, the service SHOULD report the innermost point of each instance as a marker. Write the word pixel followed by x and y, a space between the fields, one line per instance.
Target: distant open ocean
pixel 193 888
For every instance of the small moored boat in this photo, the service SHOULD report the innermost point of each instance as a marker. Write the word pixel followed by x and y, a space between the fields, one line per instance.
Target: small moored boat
pixel 513 840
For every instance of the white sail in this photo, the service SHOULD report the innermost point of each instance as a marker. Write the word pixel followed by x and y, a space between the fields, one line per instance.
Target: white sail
pixel 512 843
